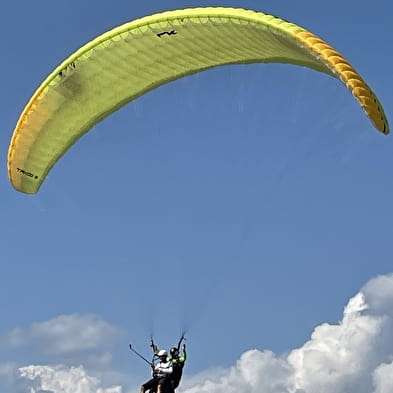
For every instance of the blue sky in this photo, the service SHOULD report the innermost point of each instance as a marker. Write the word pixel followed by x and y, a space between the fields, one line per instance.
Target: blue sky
pixel 247 205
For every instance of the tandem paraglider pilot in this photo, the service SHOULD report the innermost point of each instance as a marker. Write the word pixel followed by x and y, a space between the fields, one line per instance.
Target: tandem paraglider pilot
pixel 177 365
pixel 161 375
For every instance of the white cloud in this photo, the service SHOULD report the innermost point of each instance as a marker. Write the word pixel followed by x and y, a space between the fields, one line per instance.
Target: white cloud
pixel 60 379
pixel 383 378
pixel 66 334
pixel 338 355
pixel 353 356
pixel 248 375
pixel 379 294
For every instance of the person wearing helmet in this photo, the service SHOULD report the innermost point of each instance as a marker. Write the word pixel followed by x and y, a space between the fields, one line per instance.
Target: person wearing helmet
pixel 161 372
pixel 177 365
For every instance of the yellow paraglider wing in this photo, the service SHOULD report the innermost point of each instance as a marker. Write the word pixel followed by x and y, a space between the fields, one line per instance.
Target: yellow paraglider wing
pixel 138 56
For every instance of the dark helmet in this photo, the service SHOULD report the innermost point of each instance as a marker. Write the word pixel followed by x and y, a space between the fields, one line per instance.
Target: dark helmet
pixel 174 352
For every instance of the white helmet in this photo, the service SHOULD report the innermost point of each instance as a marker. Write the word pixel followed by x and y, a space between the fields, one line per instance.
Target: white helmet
pixel 162 352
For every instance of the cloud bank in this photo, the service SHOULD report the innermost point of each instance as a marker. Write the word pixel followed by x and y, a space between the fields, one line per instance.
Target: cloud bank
pixel 352 356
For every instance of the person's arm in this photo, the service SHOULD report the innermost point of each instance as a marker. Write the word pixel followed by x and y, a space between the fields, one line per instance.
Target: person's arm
pixel 154 347
pixel 184 356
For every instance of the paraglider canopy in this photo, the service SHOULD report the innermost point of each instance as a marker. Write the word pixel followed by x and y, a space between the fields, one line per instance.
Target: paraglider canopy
pixel 130 60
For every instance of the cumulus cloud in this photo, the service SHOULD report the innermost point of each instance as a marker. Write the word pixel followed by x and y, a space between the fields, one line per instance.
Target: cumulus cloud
pixel 339 357
pixel 66 334
pixel 60 379
pixel 352 356
pixel 254 372
pixel 383 378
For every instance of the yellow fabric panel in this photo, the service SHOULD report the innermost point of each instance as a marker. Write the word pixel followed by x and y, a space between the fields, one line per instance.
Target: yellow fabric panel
pixel 138 56
pixel 355 83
